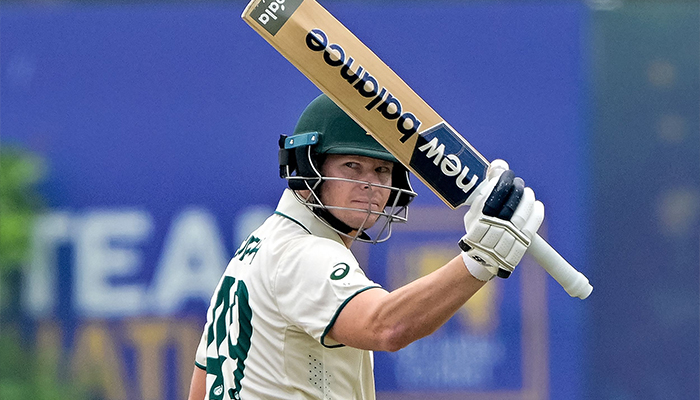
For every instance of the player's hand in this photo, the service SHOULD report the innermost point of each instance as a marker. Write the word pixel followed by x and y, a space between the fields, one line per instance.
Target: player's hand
pixel 500 224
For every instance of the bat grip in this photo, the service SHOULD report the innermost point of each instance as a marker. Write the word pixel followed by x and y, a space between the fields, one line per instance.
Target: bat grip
pixel 575 283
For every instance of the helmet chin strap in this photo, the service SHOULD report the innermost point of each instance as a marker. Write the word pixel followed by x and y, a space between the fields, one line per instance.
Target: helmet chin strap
pixel 312 186
pixel 338 224
pixel 331 219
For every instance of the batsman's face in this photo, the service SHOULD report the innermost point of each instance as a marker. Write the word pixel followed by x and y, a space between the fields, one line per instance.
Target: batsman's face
pixel 358 195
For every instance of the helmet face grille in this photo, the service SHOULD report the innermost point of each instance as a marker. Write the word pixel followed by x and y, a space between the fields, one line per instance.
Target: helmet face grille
pixel 381 226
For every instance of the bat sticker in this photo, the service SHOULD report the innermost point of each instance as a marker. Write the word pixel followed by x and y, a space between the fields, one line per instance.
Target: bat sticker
pixel 442 159
pixel 272 14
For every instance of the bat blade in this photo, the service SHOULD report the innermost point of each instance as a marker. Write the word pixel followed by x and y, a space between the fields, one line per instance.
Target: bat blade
pixel 358 81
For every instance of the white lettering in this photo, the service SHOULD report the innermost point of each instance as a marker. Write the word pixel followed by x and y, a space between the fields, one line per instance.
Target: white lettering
pixel 274 6
pixel 106 263
pixel 271 14
pixel 434 149
pixel 191 264
pixel 466 187
pixel 50 231
pixel 451 165
pixel 110 275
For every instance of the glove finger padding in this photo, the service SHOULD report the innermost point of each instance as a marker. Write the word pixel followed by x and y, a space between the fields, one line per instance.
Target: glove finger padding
pixel 524 209
pixel 505 196
pixel 500 225
pixel 513 200
pixel 482 191
pixel 534 221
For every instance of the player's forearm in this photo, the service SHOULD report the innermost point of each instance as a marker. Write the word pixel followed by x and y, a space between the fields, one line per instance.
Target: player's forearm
pixel 198 384
pixel 421 307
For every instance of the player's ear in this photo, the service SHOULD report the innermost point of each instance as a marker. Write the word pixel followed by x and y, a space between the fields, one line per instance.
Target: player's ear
pixel 318 161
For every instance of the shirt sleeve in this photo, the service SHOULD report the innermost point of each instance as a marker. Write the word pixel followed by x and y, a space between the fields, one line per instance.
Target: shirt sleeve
pixel 315 279
pixel 200 359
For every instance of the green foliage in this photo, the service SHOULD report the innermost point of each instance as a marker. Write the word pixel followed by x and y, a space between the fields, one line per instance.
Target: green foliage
pixel 20 172
pixel 28 374
pixel 25 372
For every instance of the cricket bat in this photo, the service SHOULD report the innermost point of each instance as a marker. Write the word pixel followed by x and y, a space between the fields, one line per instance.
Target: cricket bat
pixel 336 61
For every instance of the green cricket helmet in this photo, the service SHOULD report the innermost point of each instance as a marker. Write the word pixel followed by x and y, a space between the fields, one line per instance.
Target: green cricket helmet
pixel 322 129
pixel 340 134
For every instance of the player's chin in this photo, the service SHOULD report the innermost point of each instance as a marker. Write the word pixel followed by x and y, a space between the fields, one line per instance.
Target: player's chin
pixel 359 219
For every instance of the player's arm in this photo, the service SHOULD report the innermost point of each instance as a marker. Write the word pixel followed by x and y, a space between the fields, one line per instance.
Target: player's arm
pixel 378 320
pixel 500 224
pixel 198 384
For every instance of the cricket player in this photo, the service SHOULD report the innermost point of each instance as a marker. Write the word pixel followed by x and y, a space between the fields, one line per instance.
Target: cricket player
pixel 295 317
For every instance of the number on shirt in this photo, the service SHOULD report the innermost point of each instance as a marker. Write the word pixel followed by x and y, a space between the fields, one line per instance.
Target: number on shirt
pixel 227 311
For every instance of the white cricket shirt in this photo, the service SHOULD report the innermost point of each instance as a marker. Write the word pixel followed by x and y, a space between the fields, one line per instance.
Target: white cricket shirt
pixel 265 336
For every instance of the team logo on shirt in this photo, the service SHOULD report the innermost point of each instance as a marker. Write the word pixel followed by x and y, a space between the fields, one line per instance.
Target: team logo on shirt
pixel 341 271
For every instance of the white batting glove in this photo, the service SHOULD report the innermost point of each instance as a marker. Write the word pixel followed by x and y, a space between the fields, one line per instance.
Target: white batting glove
pixel 500 224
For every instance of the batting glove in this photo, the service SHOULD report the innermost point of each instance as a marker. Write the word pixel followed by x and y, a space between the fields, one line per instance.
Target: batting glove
pixel 500 224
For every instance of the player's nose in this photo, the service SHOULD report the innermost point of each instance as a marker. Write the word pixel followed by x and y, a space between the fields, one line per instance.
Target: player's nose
pixel 371 178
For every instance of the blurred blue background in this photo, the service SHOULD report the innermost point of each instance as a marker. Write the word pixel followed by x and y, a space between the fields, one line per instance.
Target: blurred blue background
pixel 157 125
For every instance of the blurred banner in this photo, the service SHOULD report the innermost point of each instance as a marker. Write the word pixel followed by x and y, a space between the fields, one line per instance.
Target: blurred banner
pixel 159 124
pixel 646 141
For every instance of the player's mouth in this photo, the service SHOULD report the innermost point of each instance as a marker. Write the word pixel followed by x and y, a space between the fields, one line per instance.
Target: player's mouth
pixel 363 204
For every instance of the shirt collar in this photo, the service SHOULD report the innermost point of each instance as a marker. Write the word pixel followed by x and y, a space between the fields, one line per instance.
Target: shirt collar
pixel 289 207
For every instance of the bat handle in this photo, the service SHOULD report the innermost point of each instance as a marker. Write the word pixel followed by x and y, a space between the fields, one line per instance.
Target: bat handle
pixel 575 283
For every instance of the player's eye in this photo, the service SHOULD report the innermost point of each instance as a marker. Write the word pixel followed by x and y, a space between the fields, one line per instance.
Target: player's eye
pixel 383 170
